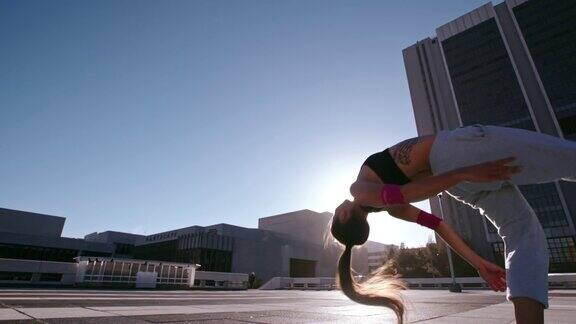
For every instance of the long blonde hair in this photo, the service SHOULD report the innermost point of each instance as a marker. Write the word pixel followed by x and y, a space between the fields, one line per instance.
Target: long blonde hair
pixel 378 290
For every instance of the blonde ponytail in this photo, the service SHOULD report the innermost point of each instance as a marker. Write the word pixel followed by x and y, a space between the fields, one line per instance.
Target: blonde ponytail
pixel 378 290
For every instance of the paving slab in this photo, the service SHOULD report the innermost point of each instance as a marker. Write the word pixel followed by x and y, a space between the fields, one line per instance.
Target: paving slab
pixel 464 320
pixel 62 312
pixel 503 311
pixel 7 314
pixel 94 320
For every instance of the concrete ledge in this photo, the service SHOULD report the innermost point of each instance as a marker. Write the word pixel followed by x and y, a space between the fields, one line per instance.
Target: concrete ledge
pixel 555 281
pixel 316 283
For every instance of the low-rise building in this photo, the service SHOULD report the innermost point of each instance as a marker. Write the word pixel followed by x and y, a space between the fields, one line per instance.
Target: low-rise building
pixel 32 251
pixel 284 245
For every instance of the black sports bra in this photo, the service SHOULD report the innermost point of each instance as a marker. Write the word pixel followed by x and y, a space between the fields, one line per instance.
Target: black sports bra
pixel 383 164
pixel 387 170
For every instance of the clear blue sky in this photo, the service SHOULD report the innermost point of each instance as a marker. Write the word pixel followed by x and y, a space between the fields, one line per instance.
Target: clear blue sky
pixel 146 116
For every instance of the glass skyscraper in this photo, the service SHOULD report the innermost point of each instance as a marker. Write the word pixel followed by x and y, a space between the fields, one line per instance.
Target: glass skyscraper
pixel 549 31
pixel 512 65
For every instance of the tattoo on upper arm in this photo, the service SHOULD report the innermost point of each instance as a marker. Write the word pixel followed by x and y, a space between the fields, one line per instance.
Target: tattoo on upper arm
pixel 401 151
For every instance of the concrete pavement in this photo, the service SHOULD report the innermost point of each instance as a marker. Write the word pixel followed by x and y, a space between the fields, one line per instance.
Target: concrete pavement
pixel 253 306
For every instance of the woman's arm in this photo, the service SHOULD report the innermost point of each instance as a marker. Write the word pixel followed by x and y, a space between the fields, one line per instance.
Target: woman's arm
pixel 410 213
pixel 369 193
pixel 493 274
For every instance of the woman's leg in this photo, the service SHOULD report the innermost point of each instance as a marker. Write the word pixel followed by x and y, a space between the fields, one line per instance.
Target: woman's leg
pixel 526 254
pixel 545 158
pixel 528 311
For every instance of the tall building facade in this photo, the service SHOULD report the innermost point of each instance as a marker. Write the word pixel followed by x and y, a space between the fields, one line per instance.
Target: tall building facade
pixel 512 64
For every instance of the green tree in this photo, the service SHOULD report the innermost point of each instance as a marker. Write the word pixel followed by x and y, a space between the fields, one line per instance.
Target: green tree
pixel 426 262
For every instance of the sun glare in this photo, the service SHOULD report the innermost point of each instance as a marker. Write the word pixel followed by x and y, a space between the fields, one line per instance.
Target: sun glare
pixel 332 188
pixel 387 229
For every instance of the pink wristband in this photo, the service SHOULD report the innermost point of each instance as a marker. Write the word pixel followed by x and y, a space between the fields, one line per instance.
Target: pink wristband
pixel 391 195
pixel 428 220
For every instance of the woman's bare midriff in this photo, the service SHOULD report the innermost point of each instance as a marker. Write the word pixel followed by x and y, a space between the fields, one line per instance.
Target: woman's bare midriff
pixel 411 156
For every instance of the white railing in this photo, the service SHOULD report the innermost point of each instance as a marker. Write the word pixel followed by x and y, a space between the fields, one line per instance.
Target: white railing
pixel 114 271
pixel 316 283
pixel 227 280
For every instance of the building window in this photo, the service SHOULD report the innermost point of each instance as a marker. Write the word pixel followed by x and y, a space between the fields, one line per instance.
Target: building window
pixel 15 276
pixel 562 253
pixel 40 253
pixel 545 201
pixel 498 250
pixel 51 277
pixel 124 249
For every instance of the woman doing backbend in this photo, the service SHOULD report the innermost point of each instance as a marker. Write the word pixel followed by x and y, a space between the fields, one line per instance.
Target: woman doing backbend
pixel 478 165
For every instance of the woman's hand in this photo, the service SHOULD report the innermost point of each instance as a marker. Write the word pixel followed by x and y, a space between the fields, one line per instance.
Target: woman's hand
pixel 491 171
pixel 494 275
pixel 348 209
